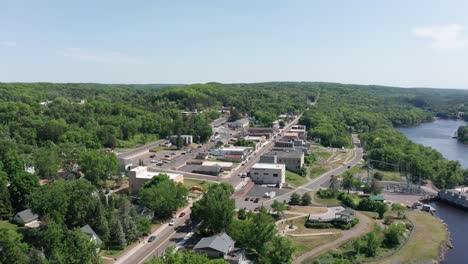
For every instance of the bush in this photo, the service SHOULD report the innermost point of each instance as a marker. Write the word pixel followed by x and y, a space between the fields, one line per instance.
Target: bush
pixel 319 225
pixel 334 224
pixel 326 193
pixel 378 176
pixel 347 200
pixel 388 220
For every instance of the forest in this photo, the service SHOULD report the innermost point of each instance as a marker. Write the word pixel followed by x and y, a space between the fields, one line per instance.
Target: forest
pixel 462 134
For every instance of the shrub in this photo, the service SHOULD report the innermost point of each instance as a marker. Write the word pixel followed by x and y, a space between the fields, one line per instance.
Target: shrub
pixel 378 176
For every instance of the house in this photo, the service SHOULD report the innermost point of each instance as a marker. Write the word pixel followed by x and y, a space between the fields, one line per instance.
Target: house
pixel 241 123
pixel 237 154
pixel 90 232
pixel 290 136
pixel 294 160
pixel 268 173
pixel 27 218
pixel 186 139
pixel 138 176
pixel 283 144
pixel 202 156
pixel 220 246
pixel 333 214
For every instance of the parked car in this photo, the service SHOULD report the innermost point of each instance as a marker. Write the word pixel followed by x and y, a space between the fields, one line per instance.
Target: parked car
pixel 257 200
pixel 256 209
pixel 182 214
pixel 172 222
pixel 153 161
pixel 246 199
pixel 152 238
pixel 152 156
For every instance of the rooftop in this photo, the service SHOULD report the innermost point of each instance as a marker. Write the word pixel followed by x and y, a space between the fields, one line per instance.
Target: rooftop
pixel 286 154
pixel 268 166
pixel 220 242
pixel 27 215
pixel 89 231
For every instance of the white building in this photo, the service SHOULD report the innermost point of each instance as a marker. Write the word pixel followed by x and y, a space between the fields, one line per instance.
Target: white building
pixel 241 123
pixel 268 173
pixel 138 176
pixel 186 139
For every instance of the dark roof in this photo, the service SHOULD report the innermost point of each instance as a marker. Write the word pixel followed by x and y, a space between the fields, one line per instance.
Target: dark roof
pixel 286 154
pixel 89 231
pixel 27 216
pixel 220 242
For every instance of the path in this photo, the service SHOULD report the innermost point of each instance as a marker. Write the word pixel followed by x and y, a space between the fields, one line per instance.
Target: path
pixel 358 230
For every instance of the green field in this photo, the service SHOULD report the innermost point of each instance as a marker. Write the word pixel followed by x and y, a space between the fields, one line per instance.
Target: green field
pixel 295 179
pixel 327 201
pixel 189 183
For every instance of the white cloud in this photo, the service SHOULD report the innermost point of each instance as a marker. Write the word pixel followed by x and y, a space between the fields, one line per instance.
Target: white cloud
pixel 443 37
pixel 8 44
pixel 98 57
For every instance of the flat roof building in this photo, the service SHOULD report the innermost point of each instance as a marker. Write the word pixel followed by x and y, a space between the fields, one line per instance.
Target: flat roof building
pixel 268 173
pixel 294 159
pixel 138 176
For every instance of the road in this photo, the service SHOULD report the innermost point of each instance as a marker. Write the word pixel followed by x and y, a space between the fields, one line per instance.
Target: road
pixel 165 236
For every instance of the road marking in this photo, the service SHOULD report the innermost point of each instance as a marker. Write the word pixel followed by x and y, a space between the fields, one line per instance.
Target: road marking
pixel 156 248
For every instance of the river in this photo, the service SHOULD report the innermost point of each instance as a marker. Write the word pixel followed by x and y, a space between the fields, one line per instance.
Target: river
pixel 438 134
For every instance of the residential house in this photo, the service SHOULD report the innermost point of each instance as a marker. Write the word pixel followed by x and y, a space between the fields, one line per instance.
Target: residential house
pixel 27 218
pixel 90 232
pixel 220 246
pixel 268 173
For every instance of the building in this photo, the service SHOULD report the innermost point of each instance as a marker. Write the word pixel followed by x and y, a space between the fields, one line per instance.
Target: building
pixel 266 132
pixel 268 173
pixel 290 136
pixel 241 123
pixel 27 218
pixel 138 176
pixel 225 166
pixel 283 144
pixel 333 214
pixel 232 153
pixel 220 246
pixel 186 139
pixel 90 232
pixel 294 160
pixel 300 130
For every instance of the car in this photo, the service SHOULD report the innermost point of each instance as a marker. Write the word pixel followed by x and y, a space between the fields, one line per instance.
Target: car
pixel 153 161
pixel 349 167
pixel 182 214
pixel 257 200
pixel 152 238
pixel 152 156
pixel 199 146
pixel 172 222
pixel 256 209
pixel 246 199
pixel 167 156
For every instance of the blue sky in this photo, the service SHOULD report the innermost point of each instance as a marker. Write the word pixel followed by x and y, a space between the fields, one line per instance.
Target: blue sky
pixel 402 43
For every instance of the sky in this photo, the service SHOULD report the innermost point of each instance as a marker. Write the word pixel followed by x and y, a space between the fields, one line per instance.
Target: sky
pixel 417 43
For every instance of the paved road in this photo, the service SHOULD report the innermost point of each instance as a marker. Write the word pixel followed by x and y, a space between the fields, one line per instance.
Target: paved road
pixel 345 235
pixel 165 236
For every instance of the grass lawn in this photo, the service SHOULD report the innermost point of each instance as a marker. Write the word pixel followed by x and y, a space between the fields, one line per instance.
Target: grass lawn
pixel 111 253
pixel 305 244
pixel 295 179
pixel 424 244
pixel 8 225
pixel 189 183
pixel 306 209
pixel 316 170
pixel 326 201
pixel 301 229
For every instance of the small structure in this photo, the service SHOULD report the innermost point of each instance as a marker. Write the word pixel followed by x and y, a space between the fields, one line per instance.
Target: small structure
pixel 90 232
pixel 138 176
pixel 220 246
pixel 300 130
pixel 378 198
pixel 454 197
pixel 268 173
pixel 27 218
pixel 337 213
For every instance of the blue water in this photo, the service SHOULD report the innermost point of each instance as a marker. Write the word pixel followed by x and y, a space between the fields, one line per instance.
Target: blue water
pixel 438 134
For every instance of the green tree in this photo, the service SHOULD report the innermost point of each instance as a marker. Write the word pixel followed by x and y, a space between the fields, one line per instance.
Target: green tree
pixel 117 235
pixel 306 199
pixel 98 166
pixel 21 188
pixel 12 250
pixel 295 199
pixel 393 234
pixel 279 207
pixel 241 214
pixel 334 185
pixel 78 248
pixel 171 256
pixel 6 209
pixel 163 196
pixel 280 250
pixel 347 183
pixel 382 208
pixel 399 209
pixel 215 209
pixel 372 243
pixel 46 162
